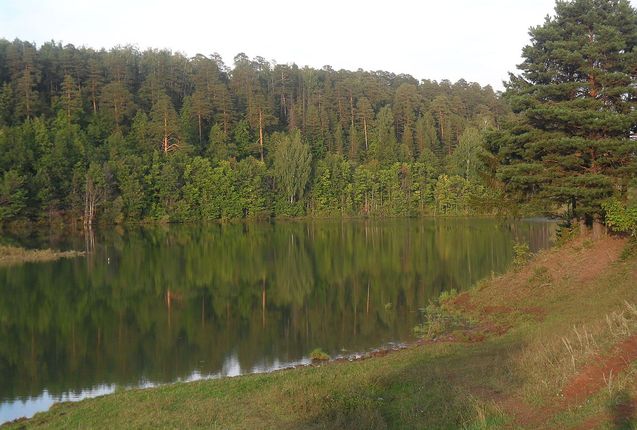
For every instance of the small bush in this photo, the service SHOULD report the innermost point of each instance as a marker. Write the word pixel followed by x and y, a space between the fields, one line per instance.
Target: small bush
pixel 445 296
pixel 565 233
pixel 621 218
pixel 521 254
pixel 319 355
pixel 440 318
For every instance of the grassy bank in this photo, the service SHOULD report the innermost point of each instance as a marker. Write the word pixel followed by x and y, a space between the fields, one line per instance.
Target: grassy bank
pixel 552 344
pixel 12 255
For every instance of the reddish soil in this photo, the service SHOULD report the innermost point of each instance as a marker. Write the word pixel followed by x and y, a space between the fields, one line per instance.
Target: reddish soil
pixel 463 302
pixel 588 382
pixel 595 376
pixel 583 263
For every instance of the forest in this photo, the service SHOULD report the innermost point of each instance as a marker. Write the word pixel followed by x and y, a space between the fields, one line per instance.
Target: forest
pixel 120 135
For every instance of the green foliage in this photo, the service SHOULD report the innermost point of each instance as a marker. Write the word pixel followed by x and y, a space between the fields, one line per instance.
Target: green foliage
pixel 278 140
pixel 441 318
pixel 570 148
pixel 521 254
pixel 467 159
pixel 447 295
pixel 565 233
pixel 621 218
pixel 292 165
pixel 12 195
pixel 451 195
pixel 318 354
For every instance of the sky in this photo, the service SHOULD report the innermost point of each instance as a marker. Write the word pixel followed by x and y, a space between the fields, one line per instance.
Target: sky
pixel 477 40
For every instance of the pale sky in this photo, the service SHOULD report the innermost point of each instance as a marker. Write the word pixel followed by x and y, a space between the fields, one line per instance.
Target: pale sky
pixel 478 40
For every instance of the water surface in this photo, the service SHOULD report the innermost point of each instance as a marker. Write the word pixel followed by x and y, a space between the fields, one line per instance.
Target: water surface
pixel 156 305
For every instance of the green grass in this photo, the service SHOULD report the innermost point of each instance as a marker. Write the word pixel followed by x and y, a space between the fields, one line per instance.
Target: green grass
pixel 510 380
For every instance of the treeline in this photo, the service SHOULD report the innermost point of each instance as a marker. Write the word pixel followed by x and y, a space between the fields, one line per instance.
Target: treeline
pixel 124 135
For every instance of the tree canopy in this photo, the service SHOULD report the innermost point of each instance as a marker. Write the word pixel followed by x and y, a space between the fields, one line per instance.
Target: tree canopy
pixel 572 146
pixel 122 135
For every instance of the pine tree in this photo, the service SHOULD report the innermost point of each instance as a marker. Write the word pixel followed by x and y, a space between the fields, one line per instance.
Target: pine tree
pixel 70 99
pixel 384 146
pixel 365 116
pixel 117 102
pixel 166 124
pixel 406 105
pixel 426 137
pixel 26 76
pixel 6 104
pixel 571 143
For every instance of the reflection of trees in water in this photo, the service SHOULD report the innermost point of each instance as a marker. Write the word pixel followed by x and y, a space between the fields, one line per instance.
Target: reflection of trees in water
pixel 161 302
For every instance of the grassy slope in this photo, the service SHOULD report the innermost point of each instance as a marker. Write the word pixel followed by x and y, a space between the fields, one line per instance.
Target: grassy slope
pixel 563 312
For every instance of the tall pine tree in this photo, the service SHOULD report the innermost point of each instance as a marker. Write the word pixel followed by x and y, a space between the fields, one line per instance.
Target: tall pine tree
pixel 571 143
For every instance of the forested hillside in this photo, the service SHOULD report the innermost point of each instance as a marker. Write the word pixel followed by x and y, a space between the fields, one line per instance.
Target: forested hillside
pixel 122 135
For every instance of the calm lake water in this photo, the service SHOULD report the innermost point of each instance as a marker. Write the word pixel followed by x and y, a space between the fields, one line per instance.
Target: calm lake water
pixel 156 305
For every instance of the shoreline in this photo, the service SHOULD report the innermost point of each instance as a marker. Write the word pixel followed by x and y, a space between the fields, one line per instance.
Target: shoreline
pixel 63 224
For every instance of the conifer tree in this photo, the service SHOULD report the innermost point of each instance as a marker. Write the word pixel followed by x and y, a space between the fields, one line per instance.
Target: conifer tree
pixel 571 142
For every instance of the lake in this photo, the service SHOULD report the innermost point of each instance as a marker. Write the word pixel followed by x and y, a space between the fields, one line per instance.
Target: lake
pixel 154 305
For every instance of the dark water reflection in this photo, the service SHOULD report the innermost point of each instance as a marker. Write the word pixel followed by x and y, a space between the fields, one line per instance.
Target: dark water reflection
pixel 156 305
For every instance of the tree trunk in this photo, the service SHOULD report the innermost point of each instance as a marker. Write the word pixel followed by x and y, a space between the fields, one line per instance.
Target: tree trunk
pixel 599 229
pixel 261 133
pixel 365 130
pixel 351 107
pixel 89 203
pixel 94 97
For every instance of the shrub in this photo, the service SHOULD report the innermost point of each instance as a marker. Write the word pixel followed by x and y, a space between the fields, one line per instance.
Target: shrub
pixel 565 233
pixel 621 218
pixel 445 296
pixel 319 355
pixel 521 254
pixel 439 318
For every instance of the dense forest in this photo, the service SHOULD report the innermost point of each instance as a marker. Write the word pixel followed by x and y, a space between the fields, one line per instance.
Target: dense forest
pixel 116 136
pixel 124 135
